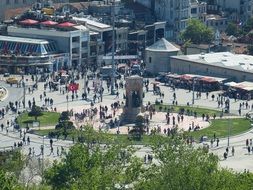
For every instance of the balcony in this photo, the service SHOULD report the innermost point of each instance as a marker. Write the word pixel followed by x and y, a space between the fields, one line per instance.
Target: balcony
pixel 23 59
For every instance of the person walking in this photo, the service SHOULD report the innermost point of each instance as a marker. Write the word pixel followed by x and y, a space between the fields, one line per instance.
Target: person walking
pixel 51 151
pixel 57 151
pixel 217 142
pixel 233 151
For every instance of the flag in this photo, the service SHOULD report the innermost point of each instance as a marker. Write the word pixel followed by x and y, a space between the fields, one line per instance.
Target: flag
pixel 73 87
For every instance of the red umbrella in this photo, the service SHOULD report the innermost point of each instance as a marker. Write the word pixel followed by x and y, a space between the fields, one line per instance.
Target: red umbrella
pixel 29 22
pixel 66 24
pixel 185 77
pixel 49 23
pixel 208 79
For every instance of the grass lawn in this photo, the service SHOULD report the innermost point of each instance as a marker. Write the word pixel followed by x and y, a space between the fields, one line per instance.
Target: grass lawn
pixel 199 110
pixel 220 128
pixel 123 138
pixel 47 119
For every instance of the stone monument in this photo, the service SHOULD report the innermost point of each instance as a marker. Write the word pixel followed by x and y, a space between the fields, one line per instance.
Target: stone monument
pixel 134 96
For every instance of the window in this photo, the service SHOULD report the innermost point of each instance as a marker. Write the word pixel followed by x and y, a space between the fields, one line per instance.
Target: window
pixel 16 1
pixel 194 11
pixel 85 44
pixel 24 1
pixel 7 2
pixel 150 59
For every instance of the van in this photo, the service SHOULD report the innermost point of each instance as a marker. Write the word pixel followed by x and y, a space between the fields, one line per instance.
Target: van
pixel 106 73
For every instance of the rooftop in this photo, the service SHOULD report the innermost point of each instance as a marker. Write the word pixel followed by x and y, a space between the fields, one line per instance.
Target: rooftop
pixel 92 23
pixel 229 60
pixel 22 40
pixel 162 45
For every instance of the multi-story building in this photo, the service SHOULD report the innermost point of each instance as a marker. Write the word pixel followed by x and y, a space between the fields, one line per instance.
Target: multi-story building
pixel 26 55
pixel 236 10
pixel 105 33
pixel 198 9
pixel 140 39
pixel 73 39
pixel 175 12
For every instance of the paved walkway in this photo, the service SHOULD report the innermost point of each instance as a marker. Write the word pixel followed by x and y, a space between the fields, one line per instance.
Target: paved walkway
pixel 239 162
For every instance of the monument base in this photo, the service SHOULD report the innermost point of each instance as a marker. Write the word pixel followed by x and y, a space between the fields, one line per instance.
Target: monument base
pixel 129 115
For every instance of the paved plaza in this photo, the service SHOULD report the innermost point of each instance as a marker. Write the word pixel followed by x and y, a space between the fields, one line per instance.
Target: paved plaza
pixel 240 161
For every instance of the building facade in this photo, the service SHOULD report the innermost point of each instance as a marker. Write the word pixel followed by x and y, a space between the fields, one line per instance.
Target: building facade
pixel 26 55
pixel 74 41
pixel 157 56
pixel 237 67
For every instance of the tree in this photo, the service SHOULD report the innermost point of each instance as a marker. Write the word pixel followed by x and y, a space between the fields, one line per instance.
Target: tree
pixel 90 166
pixel 232 29
pixel 196 32
pixel 35 112
pixel 138 128
pixel 12 161
pixel 183 167
pixel 11 164
pixel 64 116
pixel 248 25
pixel 8 181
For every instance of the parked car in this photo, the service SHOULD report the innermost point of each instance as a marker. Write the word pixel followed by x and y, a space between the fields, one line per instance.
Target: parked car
pixel 106 73
pixel 12 80
pixel 161 77
pixel 6 74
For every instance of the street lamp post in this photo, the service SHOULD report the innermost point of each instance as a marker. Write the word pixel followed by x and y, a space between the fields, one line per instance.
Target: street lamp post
pixel 85 80
pixel 24 94
pixel 36 70
pixel 113 48
pixel 67 97
pixel 43 142
pixel 193 89
pixel 229 131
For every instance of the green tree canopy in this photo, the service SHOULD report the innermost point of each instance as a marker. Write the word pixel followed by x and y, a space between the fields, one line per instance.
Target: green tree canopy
pixel 232 29
pixel 8 181
pixel 35 112
pixel 197 32
pixel 90 166
pixel 183 167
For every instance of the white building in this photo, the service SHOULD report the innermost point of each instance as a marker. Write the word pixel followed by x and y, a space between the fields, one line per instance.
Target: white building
pixel 238 67
pixel 74 41
pixel 157 56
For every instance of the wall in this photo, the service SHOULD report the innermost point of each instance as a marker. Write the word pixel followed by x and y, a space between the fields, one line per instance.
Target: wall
pixel 160 61
pixel 146 3
pixel 188 67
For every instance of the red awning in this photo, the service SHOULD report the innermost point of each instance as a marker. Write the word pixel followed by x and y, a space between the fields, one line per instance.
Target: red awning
pixel 66 24
pixel 185 77
pixel 29 22
pixel 241 86
pixel 49 23
pixel 208 79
